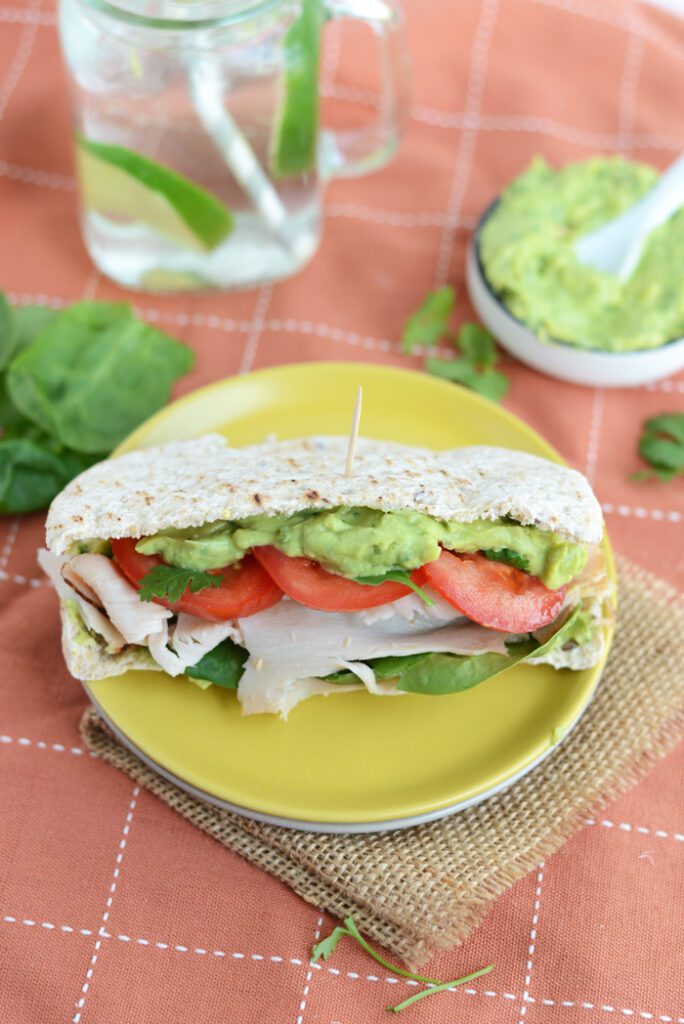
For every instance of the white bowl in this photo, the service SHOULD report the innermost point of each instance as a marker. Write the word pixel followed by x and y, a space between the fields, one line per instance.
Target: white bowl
pixel 559 358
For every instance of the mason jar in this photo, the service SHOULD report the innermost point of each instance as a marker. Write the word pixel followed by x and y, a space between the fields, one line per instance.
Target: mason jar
pixel 199 151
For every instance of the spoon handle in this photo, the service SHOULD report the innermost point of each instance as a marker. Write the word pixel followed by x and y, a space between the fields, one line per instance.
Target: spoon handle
pixel 666 197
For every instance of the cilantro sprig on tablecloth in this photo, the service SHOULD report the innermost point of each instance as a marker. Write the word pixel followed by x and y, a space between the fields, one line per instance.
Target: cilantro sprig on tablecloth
pixel 474 365
pixel 661 445
pixel 326 947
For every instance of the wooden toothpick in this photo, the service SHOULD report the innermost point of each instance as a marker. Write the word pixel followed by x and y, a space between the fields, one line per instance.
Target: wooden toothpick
pixel 354 434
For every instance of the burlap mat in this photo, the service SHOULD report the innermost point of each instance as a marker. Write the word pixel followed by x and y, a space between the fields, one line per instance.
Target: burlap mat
pixel 423 889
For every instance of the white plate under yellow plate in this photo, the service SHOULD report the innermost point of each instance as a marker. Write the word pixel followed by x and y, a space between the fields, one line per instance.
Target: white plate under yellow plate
pixel 348 762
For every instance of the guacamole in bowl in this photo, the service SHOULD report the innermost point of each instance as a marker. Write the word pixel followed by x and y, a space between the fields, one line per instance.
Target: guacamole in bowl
pixel 526 253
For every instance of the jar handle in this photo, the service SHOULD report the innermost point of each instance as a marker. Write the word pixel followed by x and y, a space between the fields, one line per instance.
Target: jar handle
pixel 348 154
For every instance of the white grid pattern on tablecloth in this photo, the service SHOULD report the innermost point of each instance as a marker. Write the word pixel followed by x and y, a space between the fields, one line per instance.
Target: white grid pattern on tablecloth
pixel 469 122
pixel 238 956
pixel 101 932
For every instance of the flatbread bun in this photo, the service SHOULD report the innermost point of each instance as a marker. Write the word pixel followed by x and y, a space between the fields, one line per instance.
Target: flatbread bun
pixel 189 483
pixel 86 657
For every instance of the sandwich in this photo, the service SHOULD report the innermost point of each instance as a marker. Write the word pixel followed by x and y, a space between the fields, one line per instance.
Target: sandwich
pixel 268 571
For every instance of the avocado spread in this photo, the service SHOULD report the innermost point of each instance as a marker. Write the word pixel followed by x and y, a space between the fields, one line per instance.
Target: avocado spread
pixel 357 542
pixel 526 250
pixel 81 634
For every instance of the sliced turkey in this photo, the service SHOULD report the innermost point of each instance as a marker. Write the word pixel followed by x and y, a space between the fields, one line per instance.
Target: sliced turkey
pixel 289 643
pixel 94 619
pixel 136 620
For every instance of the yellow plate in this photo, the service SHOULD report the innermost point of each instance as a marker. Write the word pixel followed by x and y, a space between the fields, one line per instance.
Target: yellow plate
pixel 349 761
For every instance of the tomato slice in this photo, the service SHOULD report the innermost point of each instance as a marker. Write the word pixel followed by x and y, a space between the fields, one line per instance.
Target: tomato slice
pixel 245 588
pixel 309 583
pixel 491 593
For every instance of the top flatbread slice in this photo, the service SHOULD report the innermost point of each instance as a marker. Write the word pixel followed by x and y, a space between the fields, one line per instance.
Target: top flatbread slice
pixel 188 483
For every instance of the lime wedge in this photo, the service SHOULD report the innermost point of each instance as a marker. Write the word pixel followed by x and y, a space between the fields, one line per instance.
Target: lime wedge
pixel 120 183
pixel 295 136
pixel 166 280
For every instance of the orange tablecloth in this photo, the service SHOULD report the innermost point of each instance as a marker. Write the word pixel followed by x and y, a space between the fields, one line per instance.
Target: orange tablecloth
pixel 113 910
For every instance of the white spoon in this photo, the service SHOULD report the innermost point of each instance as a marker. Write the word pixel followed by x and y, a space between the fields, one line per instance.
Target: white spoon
pixel 615 247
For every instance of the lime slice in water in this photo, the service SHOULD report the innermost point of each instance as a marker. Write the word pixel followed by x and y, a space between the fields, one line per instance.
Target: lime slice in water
pixel 120 183
pixel 166 280
pixel 295 136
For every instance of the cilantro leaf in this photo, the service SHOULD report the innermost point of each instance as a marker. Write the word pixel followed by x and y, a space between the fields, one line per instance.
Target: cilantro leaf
pixel 662 446
pixel 396 576
pixel 477 345
pixel 490 383
pixel 668 423
pixel 171 582
pixel 458 370
pixel 509 557
pixel 445 986
pixel 326 947
pixel 428 324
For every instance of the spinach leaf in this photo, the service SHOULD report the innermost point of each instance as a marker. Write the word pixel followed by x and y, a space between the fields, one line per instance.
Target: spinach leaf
pixel 384 668
pixel 29 321
pixel 19 326
pixel 438 674
pixel 12 423
pixel 223 665
pixel 94 373
pixel 32 473
pixel 8 332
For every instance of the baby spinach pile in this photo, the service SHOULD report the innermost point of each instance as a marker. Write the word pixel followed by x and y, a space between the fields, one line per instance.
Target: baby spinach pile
pixel 73 384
